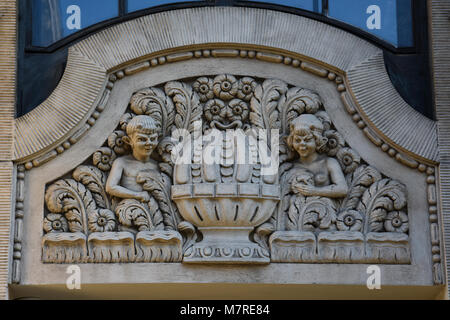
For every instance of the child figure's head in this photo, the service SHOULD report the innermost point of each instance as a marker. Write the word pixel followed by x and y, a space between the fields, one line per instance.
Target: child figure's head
pixel 142 136
pixel 306 135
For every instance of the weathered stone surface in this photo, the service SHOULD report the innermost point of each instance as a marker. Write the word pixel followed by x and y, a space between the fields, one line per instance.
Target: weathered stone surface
pixel 293 246
pixel 158 246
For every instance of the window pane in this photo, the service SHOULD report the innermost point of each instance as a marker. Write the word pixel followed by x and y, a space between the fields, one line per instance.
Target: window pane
pixel 134 5
pixel 310 5
pixel 389 20
pixel 56 19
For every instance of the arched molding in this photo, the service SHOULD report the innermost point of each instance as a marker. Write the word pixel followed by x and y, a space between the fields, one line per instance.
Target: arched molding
pixel 176 35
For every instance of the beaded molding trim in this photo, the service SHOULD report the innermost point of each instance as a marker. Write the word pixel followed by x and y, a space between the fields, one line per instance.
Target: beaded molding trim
pixel 339 79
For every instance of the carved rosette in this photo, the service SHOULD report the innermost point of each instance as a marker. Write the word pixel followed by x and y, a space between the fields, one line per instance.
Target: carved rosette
pixel 244 212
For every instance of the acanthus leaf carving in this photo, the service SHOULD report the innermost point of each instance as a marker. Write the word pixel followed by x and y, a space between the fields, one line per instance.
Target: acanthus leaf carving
pixel 158 185
pixel 94 180
pixel 153 102
pixel 264 112
pixel 187 104
pixel 296 102
pixel 133 213
pixel 382 197
pixel 189 234
pixel 74 200
pixel 361 179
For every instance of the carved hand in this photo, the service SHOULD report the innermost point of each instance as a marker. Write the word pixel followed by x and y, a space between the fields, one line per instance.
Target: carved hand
pixel 306 190
pixel 143 196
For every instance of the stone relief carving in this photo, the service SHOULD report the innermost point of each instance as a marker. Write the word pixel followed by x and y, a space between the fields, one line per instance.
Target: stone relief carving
pixel 150 193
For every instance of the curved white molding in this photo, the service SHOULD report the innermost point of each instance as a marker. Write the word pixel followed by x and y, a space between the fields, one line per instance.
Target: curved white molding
pixel 91 61
pixel 387 113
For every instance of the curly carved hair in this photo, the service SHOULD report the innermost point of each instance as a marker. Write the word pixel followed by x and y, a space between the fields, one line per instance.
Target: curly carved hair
pixel 304 125
pixel 142 124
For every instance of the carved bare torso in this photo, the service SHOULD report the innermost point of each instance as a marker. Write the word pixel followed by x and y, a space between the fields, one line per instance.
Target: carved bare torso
pixel 122 178
pixel 319 169
pixel 131 168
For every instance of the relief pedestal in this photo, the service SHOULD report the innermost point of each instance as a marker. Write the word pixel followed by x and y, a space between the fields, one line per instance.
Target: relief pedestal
pixel 226 245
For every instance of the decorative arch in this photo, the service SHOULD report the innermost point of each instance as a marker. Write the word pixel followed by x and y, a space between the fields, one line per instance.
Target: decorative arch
pixel 176 35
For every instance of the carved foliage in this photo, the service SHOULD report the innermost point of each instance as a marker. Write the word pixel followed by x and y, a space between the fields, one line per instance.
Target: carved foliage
pixel 80 204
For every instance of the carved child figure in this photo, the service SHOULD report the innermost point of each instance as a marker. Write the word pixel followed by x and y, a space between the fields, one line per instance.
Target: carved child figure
pixel 326 176
pixel 142 136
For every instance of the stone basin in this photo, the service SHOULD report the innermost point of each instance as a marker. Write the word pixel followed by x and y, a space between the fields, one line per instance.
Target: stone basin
pixel 226 214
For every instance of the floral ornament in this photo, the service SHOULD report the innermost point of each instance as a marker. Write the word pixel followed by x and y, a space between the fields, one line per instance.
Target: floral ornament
pixel 396 221
pixel 116 143
pixel 246 87
pixel 125 119
pixel 348 159
pixel 239 110
pixel 204 88
pixel 102 220
pixel 103 158
pixel 55 222
pixel 335 141
pixel 214 110
pixel 225 86
pixel 349 220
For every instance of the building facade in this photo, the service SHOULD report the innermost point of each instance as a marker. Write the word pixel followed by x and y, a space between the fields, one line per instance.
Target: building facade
pixel 224 150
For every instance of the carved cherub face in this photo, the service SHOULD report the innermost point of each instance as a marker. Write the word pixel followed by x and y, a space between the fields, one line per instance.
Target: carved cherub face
pixel 142 136
pixel 306 135
pixel 303 142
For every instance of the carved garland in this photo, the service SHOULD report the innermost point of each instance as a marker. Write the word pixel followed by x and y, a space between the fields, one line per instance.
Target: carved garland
pixel 269 57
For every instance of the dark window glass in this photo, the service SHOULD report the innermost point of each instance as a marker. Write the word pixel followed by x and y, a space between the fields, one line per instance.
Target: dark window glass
pixel 48 27
pixel 134 5
pixel 389 20
pixel 56 19
pixel 310 5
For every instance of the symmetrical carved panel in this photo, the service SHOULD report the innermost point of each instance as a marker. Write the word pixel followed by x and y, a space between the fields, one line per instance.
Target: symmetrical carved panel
pixel 226 169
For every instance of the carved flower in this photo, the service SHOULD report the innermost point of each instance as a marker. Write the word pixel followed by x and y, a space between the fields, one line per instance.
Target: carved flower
pixel 214 109
pixel 246 87
pixel 349 220
pixel 204 88
pixel 225 86
pixel 396 221
pixel 239 109
pixel 334 142
pixel 126 117
pixel 348 159
pixel 55 222
pixel 103 158
pixel 102 220
pixel 116 143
